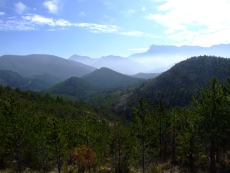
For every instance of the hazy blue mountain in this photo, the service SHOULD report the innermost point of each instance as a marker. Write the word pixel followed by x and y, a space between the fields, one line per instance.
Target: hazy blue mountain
pixel 84 59
pixel 106 78
pixel 157 59
pixel 222 50
pixel 159 56
pixel 44 64
pixel 146 75
pixel 9 78
pixel 116 63
pixel 33 83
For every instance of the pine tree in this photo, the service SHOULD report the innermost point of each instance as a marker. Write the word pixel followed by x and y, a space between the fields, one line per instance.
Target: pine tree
pixel 213 107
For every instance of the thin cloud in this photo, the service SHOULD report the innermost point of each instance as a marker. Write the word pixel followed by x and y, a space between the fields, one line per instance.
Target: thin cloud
pixel 40 20
pixel 139 34
pixel 14 24
pixel 194 22
pixel 52 6
pixel 20 8
pixel 98 28
pixel 35 22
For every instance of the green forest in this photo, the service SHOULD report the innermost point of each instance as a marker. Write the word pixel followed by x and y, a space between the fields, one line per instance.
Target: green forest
pixel 176 122
pixel 40 133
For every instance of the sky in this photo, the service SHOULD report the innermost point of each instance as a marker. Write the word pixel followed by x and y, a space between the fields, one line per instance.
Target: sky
pixel 98 28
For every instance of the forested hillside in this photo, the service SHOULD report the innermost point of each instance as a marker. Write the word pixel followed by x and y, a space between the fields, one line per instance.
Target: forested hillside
pixel 41 133
pixel 177 85
pixel 107 79
pixel 76 87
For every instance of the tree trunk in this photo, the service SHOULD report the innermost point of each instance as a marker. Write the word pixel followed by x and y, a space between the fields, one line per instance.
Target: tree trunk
pixel 143 153
pixel 191 158
pixel 212 156
pixel 173 148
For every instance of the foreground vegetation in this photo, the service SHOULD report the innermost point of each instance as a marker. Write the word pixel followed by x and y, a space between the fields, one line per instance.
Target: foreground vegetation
pixel 42 133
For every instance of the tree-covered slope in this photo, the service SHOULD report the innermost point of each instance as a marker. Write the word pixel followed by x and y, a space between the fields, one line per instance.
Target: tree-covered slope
pixel 177 85
pixel 38 64
pixel 106 78
pixel 32 83
pixel 9 78
pixel 40 133
pixel 76 87
pixel 36 130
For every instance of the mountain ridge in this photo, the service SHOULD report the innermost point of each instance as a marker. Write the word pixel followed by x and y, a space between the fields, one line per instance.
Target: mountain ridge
pixel 177 85
pixel 39 64
pixel 214 50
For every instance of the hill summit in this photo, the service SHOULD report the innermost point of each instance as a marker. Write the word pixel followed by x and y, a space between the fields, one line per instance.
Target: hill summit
pixel 177 85
pixel 105 78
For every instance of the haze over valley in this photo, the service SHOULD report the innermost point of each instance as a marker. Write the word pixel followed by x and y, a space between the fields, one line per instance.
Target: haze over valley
pixel 157 59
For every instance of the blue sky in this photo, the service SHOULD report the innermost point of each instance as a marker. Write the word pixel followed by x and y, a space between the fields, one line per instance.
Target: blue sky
pixel 103 27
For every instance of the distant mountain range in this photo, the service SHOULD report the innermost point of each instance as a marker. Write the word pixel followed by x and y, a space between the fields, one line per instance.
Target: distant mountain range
pixel 163 50
pixel 157 59
pixel 161 57
pixel 32 65
pixel 39 72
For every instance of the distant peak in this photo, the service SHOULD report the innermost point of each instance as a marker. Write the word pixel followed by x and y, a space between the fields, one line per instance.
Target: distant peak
pixel 105 68
pixel 79 56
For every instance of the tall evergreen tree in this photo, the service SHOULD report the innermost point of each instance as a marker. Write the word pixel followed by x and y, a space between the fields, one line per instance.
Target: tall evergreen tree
pixel 213 108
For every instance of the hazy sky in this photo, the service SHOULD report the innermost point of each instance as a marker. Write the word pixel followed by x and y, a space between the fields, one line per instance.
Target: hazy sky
pixel 103 27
